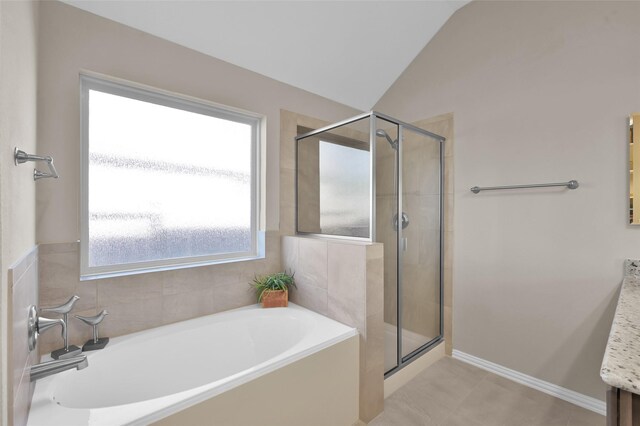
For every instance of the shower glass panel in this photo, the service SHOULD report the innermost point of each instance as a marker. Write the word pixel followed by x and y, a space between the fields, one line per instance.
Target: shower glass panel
pixel 375 178
pixel 420 241
pixel 334 181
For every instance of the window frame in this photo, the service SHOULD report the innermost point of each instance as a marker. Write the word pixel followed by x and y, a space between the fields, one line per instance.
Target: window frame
pixel 118 87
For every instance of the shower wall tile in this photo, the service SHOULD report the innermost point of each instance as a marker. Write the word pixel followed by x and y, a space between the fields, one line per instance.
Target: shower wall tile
pixel 385 179
pixel 23 292
pixel 448 250
pixel 143 301
pixel 288 131
pixel 287 201
pixel 448 175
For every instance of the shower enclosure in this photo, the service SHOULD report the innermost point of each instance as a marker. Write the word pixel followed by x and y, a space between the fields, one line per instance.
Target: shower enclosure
pixel 374 178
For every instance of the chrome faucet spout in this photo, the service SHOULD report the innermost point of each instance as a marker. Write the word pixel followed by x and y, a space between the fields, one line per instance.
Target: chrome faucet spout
pixel 46 323
pixel 49 368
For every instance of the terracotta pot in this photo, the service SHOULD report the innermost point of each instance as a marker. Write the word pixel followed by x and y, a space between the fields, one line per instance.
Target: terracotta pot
pixel 275 299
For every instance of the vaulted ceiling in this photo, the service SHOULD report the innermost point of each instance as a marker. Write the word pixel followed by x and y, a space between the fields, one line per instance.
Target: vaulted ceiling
pixel 347 51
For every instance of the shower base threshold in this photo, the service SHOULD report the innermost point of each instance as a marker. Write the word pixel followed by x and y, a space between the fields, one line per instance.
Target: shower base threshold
pixel 410 342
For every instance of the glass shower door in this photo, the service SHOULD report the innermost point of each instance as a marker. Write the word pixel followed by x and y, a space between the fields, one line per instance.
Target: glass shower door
pixel 386 208
pixel 419 243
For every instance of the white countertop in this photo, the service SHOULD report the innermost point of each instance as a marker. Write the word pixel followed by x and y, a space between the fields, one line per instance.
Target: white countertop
pixel 621 362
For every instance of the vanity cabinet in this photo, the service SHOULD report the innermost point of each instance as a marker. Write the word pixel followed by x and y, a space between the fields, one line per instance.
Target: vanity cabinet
pixel 623 407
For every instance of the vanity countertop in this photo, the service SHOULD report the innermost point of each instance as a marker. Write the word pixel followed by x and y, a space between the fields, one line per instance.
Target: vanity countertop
pixel 621 363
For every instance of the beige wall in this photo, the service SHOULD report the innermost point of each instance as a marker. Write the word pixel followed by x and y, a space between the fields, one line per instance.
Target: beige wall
pixel 540 92
pixel 72 40
pixel 18 83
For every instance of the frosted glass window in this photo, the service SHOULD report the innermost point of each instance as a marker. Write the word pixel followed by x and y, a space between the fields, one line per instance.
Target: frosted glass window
pixel 168 181
pixel 344 190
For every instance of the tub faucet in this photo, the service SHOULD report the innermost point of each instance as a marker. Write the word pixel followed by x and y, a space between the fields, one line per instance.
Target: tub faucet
pixel 37 325
pixel 48 368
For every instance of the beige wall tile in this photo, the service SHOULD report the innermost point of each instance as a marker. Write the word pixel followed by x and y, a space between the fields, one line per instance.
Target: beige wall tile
pixel 288 126
pixel 233 296
pixel 290 254
pixel 311 297
pixel 374 344
pixel 448 287
pixel 375 251
pixel 23 292
pixel 129 288
pixel 184 306
pixel 371 395
pixel 448 250
pixel 448 175
pixel 347 283
pixel 353 269
pixel 59 267
pixel 54 296
pixel 312 262
pixel 167 296
pixel 448 212
pixel 287 201
pixel 125 318
pixel 195 279
pixel 22 400
pixel 375 286
pixel 51 248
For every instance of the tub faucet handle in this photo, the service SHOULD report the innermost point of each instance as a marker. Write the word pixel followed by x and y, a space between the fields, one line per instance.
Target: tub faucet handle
pixel 37 325
pixel 96 343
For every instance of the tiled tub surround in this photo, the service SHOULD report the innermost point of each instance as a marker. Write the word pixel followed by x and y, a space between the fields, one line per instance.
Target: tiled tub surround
pixel 621 362
pixel 265 350
pixel 144 301
pixel 23 287
pixel 343 280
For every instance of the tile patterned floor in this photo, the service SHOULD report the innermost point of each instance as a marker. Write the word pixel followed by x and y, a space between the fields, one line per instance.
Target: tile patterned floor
pixel 453 393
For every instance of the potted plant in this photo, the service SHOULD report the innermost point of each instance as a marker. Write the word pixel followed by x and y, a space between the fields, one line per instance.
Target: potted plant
pixel 273 289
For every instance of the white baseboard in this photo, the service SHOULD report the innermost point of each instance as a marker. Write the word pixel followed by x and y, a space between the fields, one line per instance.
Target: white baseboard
pixel 568 395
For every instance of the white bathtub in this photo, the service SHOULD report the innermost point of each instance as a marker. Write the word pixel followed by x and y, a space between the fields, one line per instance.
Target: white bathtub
pixel 147 376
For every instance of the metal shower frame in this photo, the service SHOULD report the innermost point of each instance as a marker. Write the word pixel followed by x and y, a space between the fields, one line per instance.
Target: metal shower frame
pixel 401 361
